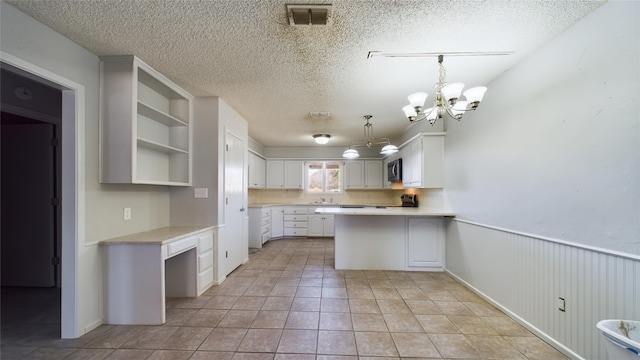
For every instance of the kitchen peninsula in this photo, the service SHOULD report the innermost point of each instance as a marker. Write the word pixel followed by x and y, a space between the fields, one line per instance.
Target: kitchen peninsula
pixel 389 238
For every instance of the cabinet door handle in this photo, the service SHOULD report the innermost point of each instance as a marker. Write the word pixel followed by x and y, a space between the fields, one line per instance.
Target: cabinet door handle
pixel 242 209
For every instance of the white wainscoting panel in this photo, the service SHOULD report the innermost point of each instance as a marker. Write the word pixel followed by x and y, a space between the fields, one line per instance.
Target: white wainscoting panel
pixel 524 275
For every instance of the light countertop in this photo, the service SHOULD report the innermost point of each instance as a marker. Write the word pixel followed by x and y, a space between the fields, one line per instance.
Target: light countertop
pixel 159 236
pixel 389 211
pixel 261 205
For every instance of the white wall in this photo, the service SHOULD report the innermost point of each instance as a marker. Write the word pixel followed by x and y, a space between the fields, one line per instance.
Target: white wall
pixel 554 150
pixel 544 179
pixel 31 41
pixel 212 120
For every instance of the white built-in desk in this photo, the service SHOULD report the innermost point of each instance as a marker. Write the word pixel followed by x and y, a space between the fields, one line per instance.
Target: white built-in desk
pixel 142 269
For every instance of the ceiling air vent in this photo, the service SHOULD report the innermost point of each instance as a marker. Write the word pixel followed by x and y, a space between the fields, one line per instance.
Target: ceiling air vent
pixel 305 14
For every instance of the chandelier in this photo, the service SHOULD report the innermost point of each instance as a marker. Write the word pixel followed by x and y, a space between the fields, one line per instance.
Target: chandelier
pixel 369 140
pixel 447 100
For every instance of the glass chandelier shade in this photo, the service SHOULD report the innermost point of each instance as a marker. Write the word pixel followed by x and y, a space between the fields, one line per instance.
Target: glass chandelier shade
pixel 447 100
pixel 351 154
pixel 388 149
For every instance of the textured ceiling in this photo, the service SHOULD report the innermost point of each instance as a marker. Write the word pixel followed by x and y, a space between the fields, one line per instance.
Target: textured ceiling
pixel 274 74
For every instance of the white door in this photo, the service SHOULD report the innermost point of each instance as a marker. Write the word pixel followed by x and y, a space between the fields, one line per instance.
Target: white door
pixel 236 237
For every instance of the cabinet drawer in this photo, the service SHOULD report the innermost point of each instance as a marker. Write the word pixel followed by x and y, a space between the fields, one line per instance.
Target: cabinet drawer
pixel 205 261
pixel 205 242
pixel 301 210
pixel 266 237
pixel 266 212
pixel 295 232
pixel 266 228
pixel 179 246
pixel 295 224
pixel 295 217
pixel 205 279
pixel 265 221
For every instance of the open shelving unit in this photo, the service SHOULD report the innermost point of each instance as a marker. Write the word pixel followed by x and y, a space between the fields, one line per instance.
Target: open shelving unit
pixel 145 125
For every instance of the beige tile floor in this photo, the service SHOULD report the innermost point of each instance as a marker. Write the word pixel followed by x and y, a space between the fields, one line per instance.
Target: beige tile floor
pixel 288 302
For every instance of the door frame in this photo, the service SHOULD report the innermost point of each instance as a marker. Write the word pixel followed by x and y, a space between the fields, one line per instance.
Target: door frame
pixel 71 189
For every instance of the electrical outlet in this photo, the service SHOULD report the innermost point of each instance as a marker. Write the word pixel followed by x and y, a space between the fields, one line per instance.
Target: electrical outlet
pixel 127 213
pixel 561 304
pixel 201 192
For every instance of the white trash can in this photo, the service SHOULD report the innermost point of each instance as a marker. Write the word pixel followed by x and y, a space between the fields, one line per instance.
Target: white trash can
pixel 622 338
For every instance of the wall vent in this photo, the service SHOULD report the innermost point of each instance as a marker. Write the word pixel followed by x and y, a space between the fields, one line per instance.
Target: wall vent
pixel 306 14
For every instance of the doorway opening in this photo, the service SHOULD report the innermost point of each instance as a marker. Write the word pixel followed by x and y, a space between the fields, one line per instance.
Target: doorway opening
pixel 30 156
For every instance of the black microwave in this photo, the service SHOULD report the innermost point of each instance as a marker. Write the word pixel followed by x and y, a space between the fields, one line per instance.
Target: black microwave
pixel 394 170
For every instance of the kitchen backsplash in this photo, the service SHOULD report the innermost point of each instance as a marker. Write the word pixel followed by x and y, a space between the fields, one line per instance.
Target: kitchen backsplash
pixel 364 197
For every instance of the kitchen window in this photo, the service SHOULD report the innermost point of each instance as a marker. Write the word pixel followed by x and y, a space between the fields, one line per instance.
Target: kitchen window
pixel 323 177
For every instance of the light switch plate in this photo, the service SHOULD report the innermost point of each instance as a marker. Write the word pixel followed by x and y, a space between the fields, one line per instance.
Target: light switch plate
pixel 127 213
pixel 201 192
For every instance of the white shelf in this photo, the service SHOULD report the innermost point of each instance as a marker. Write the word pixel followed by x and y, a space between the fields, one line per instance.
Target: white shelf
pixel 160 147
pixel 159 116
pixel 146 137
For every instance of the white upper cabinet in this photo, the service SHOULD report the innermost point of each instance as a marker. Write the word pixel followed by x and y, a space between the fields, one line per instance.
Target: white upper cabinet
pixel 144 125
pixel 275 174
pixel 363 174
pixel 293 171
pixel 284 174
pixel 354 175
pixel 257 167
pixel 423 162
pixel 373 174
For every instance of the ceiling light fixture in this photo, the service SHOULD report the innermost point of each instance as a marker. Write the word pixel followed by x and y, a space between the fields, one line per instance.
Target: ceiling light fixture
pixel 446 100
pixel 369 140
pixel 321 138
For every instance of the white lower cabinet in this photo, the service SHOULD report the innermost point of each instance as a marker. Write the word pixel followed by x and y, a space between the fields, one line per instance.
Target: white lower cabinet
pixel 259 226
pixel 272 222
pixel 206 256
pixel 277 222
pixel 425 243
pixel 295 221
pixel 320 225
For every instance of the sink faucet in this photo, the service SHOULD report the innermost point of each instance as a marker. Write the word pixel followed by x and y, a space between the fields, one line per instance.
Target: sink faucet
pixel 322 200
